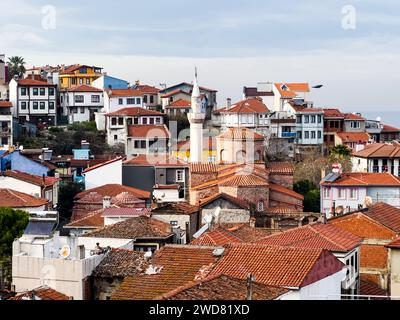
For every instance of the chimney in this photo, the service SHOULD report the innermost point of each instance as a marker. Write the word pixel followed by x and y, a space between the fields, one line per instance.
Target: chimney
pixel 249 293
pixel 106 202
pixel 228 103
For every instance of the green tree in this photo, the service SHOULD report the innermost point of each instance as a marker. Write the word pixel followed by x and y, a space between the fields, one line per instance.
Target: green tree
pixel 304 186
pixel 340 154
pixel 312 201
pixel 12 225
pixel 16 67
pixel 66 194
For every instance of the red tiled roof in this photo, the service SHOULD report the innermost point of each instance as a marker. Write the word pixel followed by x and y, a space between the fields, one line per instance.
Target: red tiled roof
pixel 240 134
pixel 113 190
pixel 31 82
pixel 368 288
pixel 160 160
pixel 93 220
pixel 133 228
pixel 216 237
pixel 282 189
pixel 280 167
pixel 41 293
pixel 315 236
pixel 333 113
pixel 239 202
pixel 394 244
pixel 283 210
pixel 174 92
pixel 74 67
pixel 167 186
pixel 292 90
pixel 245 232
pixel 364 179
pixel 5 104
pixel 34 179
pixel 250 105
pixel 180 103
pixel 222 287
pixel 16 199
pixel 176 208
pixel 148 130
pixel 144 88
pixel 362 137
pixel 125 212
pixel 278 266
pixel 353 116
pixel 379 150
pixel 203 167
pixel 124 93
pixel 102 164
pixel 385 214
pixel 85 88
pixel 134 112
pixel 243 180
pixel 179 265
pixel 387 128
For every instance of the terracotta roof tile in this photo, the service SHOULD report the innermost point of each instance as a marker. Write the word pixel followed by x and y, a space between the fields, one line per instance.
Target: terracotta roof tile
pixel 278 266
pixel 216 237
pixel 379 150
pixel 134 112
pixel 364 179
pixel 179 265
pixel 160 160
pixel 148 131
pixel 283 210
pixel 144 88
pixel 174 92
pixel 387 128
pixel 240 134
pixel 203 167
pixel 281 189
pixel 139 227
pixel 333 113
pixel 34 179
pixel 180 103
pixel 16 199
pixel 317 236
pixel 280 167
pixel 222 287
pixel 239 202
pixel 176 208
pixel 250 105
pixel 245 232
pixel 31 82
pixel 41 293
pixel 93 220
pixel 292 89
pixel 385 214
pixel 356 137
pixel 5 104
pixel 373 256
pixel 125 212
pixel 112 190
pixel 368 288
pixel 353 116
pixel 85 88
pixel 124 93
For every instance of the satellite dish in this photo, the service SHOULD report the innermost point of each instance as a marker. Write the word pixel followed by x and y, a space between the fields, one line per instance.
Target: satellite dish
pixel 65 251
pixel 378 119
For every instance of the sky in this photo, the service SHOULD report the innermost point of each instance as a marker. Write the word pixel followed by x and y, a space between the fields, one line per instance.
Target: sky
pixel 351 47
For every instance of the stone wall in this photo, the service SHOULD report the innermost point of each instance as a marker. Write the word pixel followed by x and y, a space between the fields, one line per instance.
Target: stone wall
pixel 285 180
pixel 103 288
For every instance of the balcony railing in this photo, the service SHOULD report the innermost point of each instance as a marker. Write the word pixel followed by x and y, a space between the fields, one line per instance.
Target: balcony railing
pixel 288 134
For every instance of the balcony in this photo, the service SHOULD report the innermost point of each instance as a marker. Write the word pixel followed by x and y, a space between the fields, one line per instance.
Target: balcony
pixel 288 134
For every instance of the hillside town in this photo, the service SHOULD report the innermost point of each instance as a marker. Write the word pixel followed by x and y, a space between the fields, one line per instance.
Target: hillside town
pixel 114 189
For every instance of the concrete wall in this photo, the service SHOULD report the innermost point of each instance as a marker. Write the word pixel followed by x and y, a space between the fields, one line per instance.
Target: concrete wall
pixel 107 174
pixel 138 177
pixel 394 255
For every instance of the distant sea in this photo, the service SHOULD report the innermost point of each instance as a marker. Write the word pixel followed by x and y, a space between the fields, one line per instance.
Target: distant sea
pixel 388 117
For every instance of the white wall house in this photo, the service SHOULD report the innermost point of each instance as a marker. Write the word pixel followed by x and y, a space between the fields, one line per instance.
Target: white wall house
pixel 109 172
pixel 33 100
pixel 81 103
pixel 116 99
pixel 6 124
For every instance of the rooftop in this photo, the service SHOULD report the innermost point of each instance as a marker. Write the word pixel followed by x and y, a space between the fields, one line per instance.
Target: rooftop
pixel 85 88
pixel 240 134
pixel 250 105
pixel 216 237
pixel 41 293
pixel 102 164
pixel 291 89
pixel 364 179
pixel 124 93
pixel 134 112
pixel 357 137
pixel 15 199
pixel 379 150
pixel 180 103
pixel 333 113
pixel 280 167
pixel 42 181
pixel 148 131
pixel 113 190
pixel 176 208
pixel 160 160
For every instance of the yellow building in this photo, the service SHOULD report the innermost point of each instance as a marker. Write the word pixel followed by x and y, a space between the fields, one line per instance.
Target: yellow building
pixel 209 150
pixel 78 75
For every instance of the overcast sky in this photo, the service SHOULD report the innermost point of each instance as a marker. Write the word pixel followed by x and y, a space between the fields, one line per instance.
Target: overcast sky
pixel 233 43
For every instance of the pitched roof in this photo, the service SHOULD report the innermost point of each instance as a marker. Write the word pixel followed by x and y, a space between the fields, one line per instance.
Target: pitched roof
pixel 239 202
pixel 180 103
pixel 203 167
pixel 134 112
pixel 245 232
pixel 179 265
pixel 176 208
pixel 278 266
pixel 41 293
pixel 387 128
pixel 148 130
pixel 124 93
pixel 362 137
pixel 394 244
pixel 102 164
pixel 5 104
pixel 138 227
pixel 316 236
pixel 283 210
pixel 333 113
pixel 353 116
pixel 34 179
pixel 160 160
pixel 368 288
pixel 74 67
pixel 240 134
pixel 216 237
pixel 121 263
pixel 280 167
pixel 174 92
pixel 93 220
pixel 250 105
pixel 379 150
pixel 32 82
pixel 125 212
pixel 292 89
pixel 85 88
pixel 113 190
pixel 222 287
pixel 144 88
pixel 16 199
pixel 364 179
pixel 385 214
pixel 281 189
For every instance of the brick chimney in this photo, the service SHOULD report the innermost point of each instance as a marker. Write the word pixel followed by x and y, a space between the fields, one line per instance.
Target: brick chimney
pixel 106 202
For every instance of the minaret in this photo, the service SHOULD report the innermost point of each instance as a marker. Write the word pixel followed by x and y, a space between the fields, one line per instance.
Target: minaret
pixel 196 118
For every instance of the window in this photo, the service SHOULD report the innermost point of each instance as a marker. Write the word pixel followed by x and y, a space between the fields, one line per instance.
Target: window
pixel 319 134
pixel 42 91
pixel 80 81
pixel 145 98
pixel 140 144
pixel 144 121
pixel 114 121
pixel 35 105
pixel 260 205
pixel 137 100
pixel 306 119
pixel 51 105
pixel 129 121
pixel 341 193
pixel 73 81
pixel 299 135
pixel 319 118
pixel 79 98
pixel 35 91
pixel 130 101
pixel 120 101
pixel 306 134
pixel 152 99
pixel 23 91
pixel 312 119
pixel 51 91
pixel 180 175
pixel 88 81
pixel 326 193
pixel 136 120
pixel 120 121
pixel 312 134
pixel 42 105
pixel 355 124
pixel 23 105
pixel 95 98
pixel 49 195
pixel 353 193
pixel 151 120
pixel 158 120
pixel 298 119
pixel 82 109
pixel 115 137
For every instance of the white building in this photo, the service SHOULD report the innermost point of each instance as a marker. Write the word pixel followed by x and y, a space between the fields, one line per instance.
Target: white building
pixel 3 78
pixel 117 122
pixel 115 99
pixel 109 172
pixel 81 103
pixel 34 101
pixel 6 124
pixel 341 193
